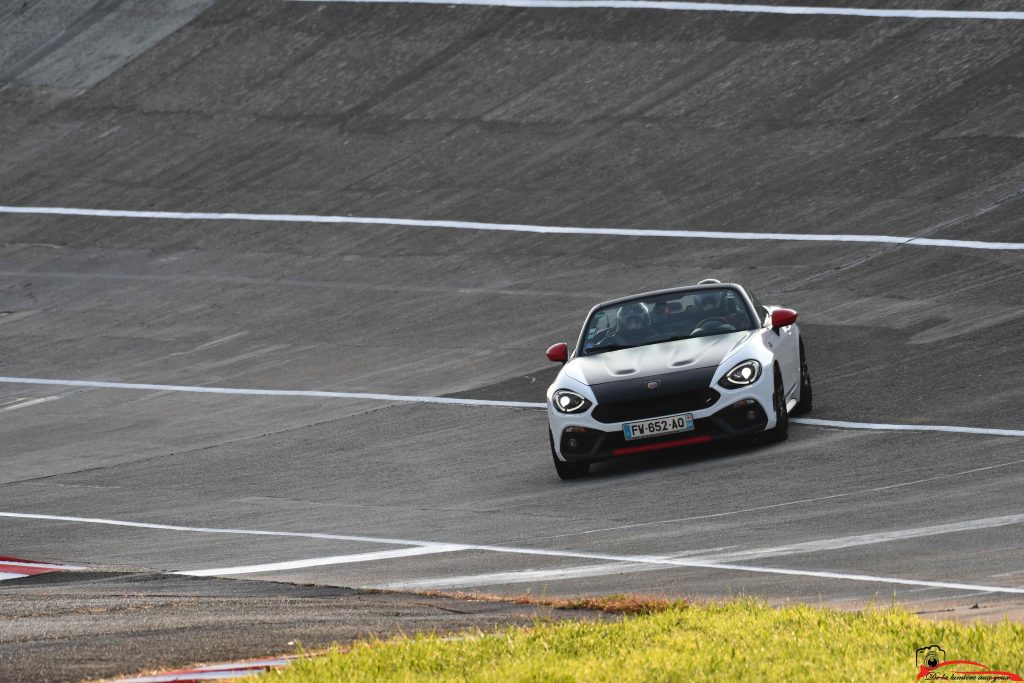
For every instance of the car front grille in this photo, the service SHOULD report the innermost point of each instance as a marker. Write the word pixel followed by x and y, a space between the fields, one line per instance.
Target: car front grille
pixel 641 409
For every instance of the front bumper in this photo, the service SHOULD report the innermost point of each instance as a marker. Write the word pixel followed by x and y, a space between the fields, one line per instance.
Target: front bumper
pixel 594 441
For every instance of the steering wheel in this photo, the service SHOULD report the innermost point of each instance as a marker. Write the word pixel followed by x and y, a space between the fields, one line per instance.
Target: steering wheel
pixel 720 321
pixel 601 339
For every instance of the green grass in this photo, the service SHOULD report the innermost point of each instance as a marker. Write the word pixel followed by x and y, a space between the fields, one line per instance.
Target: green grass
pixel 737 640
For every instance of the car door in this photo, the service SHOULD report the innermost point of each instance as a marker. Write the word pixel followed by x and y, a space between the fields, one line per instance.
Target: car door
pixel 787 354
pixel 784 343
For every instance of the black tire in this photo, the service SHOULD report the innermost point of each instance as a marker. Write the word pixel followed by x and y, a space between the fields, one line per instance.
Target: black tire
pixel 806 393
pixel 567 470
pixel 781 429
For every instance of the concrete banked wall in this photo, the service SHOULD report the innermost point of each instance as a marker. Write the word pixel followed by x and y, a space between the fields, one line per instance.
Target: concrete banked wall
pixel 678 119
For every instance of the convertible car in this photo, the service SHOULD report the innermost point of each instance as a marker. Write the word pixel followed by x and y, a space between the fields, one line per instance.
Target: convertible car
pixel 673 368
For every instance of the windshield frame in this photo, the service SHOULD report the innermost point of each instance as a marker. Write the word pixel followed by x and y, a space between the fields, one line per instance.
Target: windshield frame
pixel 756 320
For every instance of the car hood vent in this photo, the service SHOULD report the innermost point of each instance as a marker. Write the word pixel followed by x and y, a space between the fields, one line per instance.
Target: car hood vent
pixel 657 359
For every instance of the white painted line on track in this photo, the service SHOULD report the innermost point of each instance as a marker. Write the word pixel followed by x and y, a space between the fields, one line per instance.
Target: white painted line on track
pixel 700 564
pixel 213 530
pixel 541 552
pixel 517 576
pixel 821 545
pixel 326 561
pixel 270 392
pixel 20 403
pixel 907 428
pixel 876 426
pixel 670 5
pixel 531 575
pixel 397 398
pixel 868 539
pixel 512 227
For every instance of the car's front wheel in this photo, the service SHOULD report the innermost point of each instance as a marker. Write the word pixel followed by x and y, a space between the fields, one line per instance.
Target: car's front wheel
pixel 781 429
pixel 567 470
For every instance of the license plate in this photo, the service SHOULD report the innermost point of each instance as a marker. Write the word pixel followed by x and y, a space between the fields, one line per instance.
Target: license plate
pixel 658 426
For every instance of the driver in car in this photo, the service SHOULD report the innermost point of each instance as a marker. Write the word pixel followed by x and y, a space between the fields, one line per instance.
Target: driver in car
pixel 632 327
pixel 716 312
pixel 709 304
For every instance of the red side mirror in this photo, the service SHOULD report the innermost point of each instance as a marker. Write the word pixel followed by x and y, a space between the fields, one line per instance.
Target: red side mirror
pixel 558 353
pixel 782 317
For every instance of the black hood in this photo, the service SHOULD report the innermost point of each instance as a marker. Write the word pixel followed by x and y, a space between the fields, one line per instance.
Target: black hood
pixel 657 360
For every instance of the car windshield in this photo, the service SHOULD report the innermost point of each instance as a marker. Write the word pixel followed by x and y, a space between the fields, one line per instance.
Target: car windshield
pixel 666 317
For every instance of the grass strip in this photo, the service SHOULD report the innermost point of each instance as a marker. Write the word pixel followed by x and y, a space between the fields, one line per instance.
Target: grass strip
pixel 738 640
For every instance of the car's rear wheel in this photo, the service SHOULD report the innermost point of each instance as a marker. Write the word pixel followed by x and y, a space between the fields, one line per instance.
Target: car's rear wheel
pixel 781 429
pixel 806 395
pixel 567 470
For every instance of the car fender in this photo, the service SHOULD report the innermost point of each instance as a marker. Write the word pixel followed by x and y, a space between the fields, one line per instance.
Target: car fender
pixel 756 347
pixel 566 380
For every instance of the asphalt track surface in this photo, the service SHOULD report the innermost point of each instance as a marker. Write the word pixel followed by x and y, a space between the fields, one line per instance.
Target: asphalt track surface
pixel 702 121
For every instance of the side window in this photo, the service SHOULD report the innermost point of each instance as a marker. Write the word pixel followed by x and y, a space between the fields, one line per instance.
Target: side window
pixel 762 312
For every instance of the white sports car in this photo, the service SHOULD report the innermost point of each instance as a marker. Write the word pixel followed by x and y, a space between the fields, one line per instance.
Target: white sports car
pixel 673 368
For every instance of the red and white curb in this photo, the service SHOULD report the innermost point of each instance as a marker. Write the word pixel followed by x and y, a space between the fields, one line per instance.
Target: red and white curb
pixel 16 568
pixel 214 672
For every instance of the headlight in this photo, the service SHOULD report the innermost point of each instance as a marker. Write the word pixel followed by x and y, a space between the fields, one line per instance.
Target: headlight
pixel 566 401
pixel 743 375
